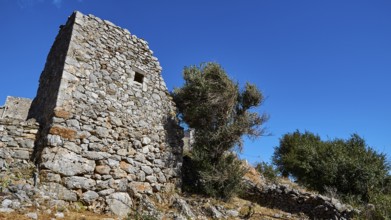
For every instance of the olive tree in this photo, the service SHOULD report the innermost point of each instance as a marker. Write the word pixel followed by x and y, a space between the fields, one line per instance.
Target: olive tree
pixel 220 114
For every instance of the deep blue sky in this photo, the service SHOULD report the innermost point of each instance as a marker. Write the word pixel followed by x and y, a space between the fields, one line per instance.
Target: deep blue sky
pixel 325 66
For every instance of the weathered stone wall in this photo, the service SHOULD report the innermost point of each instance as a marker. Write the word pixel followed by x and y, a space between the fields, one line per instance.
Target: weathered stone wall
pixel 16 146
pixel 285 198
pixel 108 125
pixel 15 107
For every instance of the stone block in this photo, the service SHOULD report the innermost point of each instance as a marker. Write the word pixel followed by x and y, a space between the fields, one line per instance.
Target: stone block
pixel 119 204
pixel 64 132
pixel 58 191
pixel 102 169
pixel 67 163
pixel 140 187
pixel 21 154
pixel 78 182
pixel 89 197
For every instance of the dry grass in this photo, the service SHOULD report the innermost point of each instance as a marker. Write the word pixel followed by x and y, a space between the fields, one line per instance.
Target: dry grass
pixel 85 215
pixel 286 181
pixel 247 210
pixel 253 211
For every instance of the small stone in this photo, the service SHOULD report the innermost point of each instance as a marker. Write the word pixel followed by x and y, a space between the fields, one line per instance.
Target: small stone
pixel 151 179
pixel 137 144
pixel 184 208
pixel 146 141
pixel 6 210
pixel 118 173
pixel 102 132
pixel 106 192
pixel 122 152
pixel 72 147
pixel 102 169
pixel 113 163
pixel 116 121
pixel 51 177
pixel 215 213
pixel 141 176
pixel 233 213
pixel 78 182
pixel 127 167
pixel 21 154
pixel 6 203
pixel 140 187
pixel 277 215
pixel 32 215
pixel 54 140
pixel 93 155
pixel 140 157
pixel 147 170
pixel 23 197
pixel 59 215
pixel 162 178
pixel 145 149
pixel 100 185
pixel 89 197
pixel 27 143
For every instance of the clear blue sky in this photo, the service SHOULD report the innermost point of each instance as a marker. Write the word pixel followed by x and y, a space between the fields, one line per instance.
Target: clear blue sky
pixel 325 66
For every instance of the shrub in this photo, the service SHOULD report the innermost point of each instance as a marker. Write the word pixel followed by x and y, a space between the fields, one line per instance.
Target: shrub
pixel 268 171
pixel 349 166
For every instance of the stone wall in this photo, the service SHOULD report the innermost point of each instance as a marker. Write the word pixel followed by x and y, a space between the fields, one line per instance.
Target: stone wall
pixel 15 107
pixel 108 126
pixel 16 146
pixel 285 198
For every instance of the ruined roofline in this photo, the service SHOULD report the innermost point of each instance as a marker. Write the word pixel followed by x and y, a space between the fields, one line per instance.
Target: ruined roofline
pixel 15 107
pixel 79 18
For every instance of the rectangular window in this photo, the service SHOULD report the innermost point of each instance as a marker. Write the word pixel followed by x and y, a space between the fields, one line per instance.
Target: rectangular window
pixel 138 77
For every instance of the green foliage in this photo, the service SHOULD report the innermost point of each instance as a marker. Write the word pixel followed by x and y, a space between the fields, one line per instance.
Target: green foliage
pixel 382 203
pixel 268 171
pixel 349 166
pixel 222 180
pixel 357 172
pixel 136 215
pixel 11 175
pixel 212 104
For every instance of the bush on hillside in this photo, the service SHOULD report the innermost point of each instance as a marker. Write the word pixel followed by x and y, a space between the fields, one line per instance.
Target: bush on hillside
pixel 357 172
pixel 269 171
pixel 349 166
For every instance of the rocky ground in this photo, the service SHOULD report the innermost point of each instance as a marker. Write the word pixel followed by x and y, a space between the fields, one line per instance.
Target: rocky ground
pixel 261 200
pixel 194 207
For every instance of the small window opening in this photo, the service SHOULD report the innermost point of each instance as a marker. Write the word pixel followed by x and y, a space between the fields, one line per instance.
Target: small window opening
pixel 138 77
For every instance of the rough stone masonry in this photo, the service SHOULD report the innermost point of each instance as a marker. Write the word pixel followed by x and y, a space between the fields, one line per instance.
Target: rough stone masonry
pixel 108 132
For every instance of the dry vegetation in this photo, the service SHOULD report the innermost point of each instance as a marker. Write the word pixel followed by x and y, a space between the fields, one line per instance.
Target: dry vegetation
pixel 85 215
pixel 247 210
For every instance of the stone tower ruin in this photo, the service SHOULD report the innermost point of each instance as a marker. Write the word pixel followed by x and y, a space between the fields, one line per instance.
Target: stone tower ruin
pixel 108 131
